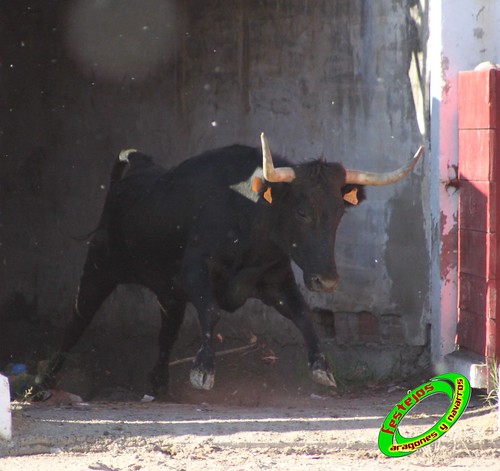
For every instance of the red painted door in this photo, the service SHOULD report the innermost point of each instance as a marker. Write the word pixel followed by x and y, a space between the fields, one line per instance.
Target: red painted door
pixel 479 212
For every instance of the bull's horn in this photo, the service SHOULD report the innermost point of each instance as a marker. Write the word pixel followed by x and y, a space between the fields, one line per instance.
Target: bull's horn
pixel 271 174
pixel 372 178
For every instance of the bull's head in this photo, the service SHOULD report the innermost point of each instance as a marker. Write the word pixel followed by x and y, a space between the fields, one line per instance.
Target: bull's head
pixel 311 205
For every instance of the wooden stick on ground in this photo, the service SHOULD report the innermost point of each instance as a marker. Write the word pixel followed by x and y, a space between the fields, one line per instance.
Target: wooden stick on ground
pixel 252 344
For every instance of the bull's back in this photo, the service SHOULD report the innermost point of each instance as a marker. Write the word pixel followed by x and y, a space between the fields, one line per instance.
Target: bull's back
pixel 218 168
pixel 158 212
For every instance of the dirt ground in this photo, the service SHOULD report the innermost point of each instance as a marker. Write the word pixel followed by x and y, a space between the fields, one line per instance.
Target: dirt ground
pixel 299 431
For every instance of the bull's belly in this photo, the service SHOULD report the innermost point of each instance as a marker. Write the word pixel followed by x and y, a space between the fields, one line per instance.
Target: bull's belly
pixel 232 287
pixel 233 299
pixel 232 291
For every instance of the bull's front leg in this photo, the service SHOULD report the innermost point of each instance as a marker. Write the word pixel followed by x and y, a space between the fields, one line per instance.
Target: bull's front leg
pixel 202 375
pixel 282 293
pixel 196 279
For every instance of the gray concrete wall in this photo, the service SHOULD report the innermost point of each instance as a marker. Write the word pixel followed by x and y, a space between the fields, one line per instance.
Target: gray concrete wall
pixel 82 80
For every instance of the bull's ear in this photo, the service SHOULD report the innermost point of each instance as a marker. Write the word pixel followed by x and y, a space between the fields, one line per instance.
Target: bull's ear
pixel 259 187
pixel 352 197
pixel 268 195
pixel 353 194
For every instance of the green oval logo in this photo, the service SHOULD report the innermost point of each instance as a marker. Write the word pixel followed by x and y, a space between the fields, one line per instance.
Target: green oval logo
pixel 454 385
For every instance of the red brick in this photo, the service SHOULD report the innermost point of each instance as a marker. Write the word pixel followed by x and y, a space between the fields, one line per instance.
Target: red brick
pixel 477 149
pixel 477 99
pixel 356 328
pixel 477 253
pixel 368 328
pixel 346 328
pixel 391 330
pixel 471 331
pixel 473 293
pixel 477 203
pixel 492 347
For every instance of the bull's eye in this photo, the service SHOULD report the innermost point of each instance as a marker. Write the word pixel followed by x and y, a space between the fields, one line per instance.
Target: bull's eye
pixel 302 215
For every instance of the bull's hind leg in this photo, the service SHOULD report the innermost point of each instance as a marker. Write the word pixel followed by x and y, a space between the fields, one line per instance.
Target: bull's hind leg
pixel 172 315
pixel 96 284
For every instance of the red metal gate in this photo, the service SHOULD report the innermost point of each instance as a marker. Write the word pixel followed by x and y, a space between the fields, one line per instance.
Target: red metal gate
pixel 479 212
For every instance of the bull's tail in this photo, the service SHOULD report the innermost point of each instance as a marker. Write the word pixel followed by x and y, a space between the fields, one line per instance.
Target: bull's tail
pixel 120 166
pixel 128 160
pixel 123 157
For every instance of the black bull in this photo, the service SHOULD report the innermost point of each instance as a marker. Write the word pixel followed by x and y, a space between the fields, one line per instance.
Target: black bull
pixel 218 229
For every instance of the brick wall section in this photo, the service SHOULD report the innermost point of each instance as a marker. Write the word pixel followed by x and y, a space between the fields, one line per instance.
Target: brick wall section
pixel 478 121
pixel 323 78
pixel 362 328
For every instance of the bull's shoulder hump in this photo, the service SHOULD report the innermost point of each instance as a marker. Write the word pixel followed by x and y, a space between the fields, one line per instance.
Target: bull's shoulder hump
pixel 136 158
pixel 222 163
pixel 231 158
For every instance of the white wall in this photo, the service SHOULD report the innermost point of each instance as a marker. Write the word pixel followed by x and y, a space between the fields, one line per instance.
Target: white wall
pixel 463 33
pixel 5 413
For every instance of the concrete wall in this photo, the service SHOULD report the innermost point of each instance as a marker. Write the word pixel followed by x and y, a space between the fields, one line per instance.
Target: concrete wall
pixel 463 34
pixel 81 80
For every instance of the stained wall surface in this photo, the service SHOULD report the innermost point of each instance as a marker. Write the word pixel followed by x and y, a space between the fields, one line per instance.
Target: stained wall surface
pixel 81 80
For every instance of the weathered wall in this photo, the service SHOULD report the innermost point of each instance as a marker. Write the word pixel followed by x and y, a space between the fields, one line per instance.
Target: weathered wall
pixel 82 80
pixel 463 35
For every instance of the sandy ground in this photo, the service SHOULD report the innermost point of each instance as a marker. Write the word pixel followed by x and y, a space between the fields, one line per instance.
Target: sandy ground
pixel 309 432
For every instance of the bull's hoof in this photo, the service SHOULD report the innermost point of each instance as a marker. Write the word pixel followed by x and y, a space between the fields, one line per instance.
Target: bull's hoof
pixel 201 379
pixel 321 373
pixel 324 377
